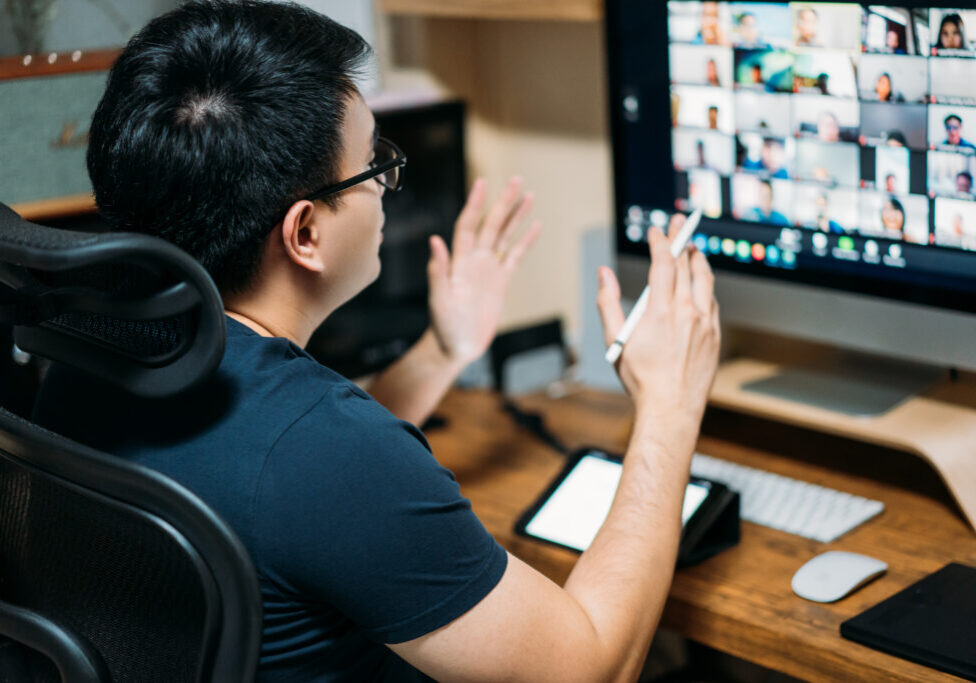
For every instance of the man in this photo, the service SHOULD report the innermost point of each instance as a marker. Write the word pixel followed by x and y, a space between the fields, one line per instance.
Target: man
pixel 774 158
pixel 234 130
pixel 764 211
pixel 964 182
pixel 828 129
pixel 953 126
pixel 891 183
pixel 748 29
pixel 807 21
pixel 711 32
pixel 713 117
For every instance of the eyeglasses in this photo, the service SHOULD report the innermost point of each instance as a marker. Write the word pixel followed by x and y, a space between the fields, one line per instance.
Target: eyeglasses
pixel 386 168
pixel 953 126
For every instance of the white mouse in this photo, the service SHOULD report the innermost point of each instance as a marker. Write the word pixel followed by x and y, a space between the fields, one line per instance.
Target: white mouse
pixel 832 575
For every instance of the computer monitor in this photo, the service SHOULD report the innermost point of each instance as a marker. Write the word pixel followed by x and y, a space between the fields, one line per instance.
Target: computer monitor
pixel 378 325
pixel 832 147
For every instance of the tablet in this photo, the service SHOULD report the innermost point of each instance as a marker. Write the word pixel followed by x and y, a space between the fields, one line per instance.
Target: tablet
pixel 573 508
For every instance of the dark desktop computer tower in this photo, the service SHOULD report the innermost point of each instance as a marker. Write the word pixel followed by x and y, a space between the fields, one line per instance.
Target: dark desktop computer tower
pixel 376 327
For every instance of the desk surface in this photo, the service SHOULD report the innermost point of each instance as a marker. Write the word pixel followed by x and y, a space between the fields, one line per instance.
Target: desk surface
pixel 740 601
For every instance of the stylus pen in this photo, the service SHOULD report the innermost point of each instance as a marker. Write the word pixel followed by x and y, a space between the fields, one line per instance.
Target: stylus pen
pixel 677 246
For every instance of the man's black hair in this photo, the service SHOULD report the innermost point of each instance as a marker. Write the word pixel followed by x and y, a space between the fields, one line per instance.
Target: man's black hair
pixel 217 117
pixel 967 175
pixel 950 117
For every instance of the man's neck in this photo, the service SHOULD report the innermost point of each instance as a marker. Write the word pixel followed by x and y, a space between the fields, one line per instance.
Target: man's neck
pixel 280 321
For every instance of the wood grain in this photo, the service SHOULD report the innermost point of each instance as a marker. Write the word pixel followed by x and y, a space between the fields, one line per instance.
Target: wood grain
pixel 557 10
pixel 740 601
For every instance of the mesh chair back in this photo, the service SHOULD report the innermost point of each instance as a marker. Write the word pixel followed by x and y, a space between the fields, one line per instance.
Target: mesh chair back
pixel 110 571
pixel 122 564
pixel 133 309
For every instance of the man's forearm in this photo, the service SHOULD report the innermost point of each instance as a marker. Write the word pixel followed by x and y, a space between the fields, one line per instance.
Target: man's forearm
pixel 414 385
pixel 622 580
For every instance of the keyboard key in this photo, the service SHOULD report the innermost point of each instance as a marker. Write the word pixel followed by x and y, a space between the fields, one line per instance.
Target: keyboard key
pixel 791 505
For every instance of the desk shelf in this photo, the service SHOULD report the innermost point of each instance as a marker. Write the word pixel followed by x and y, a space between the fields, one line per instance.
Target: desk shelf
pixel 553 10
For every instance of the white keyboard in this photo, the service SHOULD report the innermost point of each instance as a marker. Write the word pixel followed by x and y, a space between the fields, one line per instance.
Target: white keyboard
pixel 788 504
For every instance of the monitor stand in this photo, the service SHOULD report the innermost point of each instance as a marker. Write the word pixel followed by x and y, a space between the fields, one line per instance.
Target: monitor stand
pixel 849 383
pixel 937 425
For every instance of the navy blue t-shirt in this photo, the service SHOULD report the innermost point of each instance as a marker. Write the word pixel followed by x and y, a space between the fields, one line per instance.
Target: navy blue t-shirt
pixel 358 536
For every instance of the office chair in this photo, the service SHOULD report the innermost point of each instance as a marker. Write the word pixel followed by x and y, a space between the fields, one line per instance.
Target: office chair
pixel 110 571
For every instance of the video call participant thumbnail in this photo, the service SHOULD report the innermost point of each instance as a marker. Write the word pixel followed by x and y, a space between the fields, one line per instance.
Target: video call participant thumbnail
pixel 955 133
pixel 703 107
pixel 825 72
pixel 834 164
pixel 763 113
pixel 768 157
pixel 950 174
pixel 896 217
pixel 692 148
pixel 818 25
pixel 955 223
pixel 833 211
pixel 700 65
pixel 762 25
pixel 829 119
pixel 893 30
pixel 760 200
pixel 884 78
pixel 905 123
pixel 952 34
pixel 951 80
pixel 765 70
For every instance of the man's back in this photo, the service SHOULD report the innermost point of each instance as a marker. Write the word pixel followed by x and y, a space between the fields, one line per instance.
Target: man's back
pixel 359 538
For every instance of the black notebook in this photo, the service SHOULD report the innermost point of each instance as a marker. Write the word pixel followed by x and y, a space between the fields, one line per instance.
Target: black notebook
pixel 932 622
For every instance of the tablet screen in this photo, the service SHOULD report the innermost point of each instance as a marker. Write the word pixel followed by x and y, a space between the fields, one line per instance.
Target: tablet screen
pixel 574 512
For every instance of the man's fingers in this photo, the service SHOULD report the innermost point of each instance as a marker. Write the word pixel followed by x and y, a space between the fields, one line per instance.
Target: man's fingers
pixel 608 303
pixel 516 253
pixel 499 212
pixel 662 276
pixel 519 214
pixel 702 282
pixel 439 265
pixel 466 226
pixel 674 225
pixel 682 278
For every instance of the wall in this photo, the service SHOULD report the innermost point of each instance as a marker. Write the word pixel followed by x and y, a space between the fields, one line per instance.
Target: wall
pixel 536 92
pixel 85 24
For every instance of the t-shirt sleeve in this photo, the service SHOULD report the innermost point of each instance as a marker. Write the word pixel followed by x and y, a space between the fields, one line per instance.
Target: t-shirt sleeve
pixel 357 513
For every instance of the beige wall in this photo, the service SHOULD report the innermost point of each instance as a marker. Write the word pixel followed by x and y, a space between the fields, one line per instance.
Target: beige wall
pixel 537 100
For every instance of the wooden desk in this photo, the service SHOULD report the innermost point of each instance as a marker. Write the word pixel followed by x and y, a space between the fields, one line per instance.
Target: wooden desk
pixel 740 601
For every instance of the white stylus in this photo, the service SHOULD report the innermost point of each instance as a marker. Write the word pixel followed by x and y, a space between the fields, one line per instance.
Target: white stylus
pixel 677 246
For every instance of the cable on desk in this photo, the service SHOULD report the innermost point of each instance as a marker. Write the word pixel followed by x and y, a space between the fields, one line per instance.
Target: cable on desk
pixel 535 424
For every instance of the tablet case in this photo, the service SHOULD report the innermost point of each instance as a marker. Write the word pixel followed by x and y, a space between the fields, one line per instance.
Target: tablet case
pixel 713 528
pixel 932 622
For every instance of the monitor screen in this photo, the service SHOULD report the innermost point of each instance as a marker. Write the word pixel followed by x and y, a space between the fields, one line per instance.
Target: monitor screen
pixel 828 143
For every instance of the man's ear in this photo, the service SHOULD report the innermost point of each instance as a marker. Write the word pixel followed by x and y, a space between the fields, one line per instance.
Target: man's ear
pixel 300 237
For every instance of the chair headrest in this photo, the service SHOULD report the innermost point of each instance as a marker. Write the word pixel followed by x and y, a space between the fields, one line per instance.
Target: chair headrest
pixel 132 309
